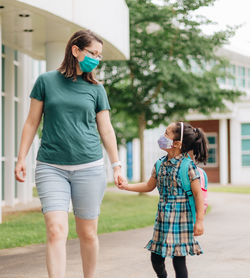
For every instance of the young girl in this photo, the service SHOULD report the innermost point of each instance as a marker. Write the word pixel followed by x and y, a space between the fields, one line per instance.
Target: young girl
pixel 174 229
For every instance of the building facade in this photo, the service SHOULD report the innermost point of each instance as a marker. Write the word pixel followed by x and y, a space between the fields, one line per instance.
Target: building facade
pixel 228 133
pixel 33 35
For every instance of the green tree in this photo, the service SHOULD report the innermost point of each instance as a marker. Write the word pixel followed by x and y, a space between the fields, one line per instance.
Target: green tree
pixel 173 68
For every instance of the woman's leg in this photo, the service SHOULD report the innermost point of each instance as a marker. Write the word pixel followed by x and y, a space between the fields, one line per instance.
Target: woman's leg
pixel 158 263
pixel 89 244
pixel 87 190
pixel 180 267
pixel 57 232
pixel 53 189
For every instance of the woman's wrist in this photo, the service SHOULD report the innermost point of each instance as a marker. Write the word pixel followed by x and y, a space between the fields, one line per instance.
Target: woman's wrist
pixel 20 158
pixel 117 168
pixel 116 164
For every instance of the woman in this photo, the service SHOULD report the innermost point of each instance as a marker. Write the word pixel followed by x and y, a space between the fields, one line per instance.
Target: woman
pixel 70 160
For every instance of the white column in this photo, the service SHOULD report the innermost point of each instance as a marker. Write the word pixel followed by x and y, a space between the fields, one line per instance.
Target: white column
pixel 235 151
pixel 54 54
pixel 1 119
pixel 10 129
pixel 136 159
pixel 223 147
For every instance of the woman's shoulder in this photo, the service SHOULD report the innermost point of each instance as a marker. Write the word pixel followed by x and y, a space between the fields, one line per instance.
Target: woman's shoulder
pixel 49 74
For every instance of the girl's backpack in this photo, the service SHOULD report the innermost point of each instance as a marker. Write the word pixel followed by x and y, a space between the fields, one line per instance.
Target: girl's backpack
pixel 183 174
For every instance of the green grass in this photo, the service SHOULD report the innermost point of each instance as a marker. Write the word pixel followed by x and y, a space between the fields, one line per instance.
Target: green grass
pixel 118 212
pixel 35 192
pixel 230 189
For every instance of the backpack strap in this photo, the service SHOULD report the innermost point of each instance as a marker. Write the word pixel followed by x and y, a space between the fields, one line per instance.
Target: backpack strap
pixel 186 185
pixel 158 165
pixel 206 179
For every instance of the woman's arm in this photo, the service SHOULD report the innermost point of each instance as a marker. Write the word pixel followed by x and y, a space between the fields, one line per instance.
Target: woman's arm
pixel 140 187
pixel 29 130
pixel 107 134
pixel 199 205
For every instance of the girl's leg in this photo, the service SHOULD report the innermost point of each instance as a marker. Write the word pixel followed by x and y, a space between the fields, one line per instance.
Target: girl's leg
pixel 89 244
pixel 180 267
pixel 158 263
pixel 57 232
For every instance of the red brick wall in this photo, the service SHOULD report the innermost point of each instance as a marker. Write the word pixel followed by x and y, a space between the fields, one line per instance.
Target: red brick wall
pixel 213 173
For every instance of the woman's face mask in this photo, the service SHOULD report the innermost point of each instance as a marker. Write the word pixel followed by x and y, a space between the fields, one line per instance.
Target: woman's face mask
pixel 88 64
pixel 165 143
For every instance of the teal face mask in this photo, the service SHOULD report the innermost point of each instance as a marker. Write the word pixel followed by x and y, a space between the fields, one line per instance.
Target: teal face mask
pixel 88 64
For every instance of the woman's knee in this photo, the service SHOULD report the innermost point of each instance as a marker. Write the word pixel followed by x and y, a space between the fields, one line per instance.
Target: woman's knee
pixel 56 225
pixel 87 235
pixel 86 230
pixel 56 231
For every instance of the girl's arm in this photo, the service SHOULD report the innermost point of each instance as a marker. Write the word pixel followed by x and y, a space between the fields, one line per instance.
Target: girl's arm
pixel 199 205
pixel 107 134
pixel 140 187
pixel 29 130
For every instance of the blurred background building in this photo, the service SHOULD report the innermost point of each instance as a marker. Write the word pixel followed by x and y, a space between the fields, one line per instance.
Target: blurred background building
pixel 228 132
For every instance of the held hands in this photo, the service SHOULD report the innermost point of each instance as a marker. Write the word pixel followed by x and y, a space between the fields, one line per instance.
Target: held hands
pixel 122 183
pixel 198 228
pixel 119 180
pixel 20 169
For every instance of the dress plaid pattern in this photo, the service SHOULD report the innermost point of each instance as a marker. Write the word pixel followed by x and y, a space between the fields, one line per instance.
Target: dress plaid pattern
pixel 173 229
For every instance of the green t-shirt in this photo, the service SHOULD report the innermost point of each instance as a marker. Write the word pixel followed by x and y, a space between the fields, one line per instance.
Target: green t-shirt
pixel 70 133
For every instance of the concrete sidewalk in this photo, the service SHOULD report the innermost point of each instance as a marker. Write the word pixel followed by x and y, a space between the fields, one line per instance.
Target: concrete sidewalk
pixel 226 245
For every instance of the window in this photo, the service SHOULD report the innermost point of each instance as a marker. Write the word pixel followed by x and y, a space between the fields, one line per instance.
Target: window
pixel 212 149
pixel 231 80
pixel 16 128
pixel 222 80
pixel 245 144
pixel 16 80
pixel 248 78
pixel 241 77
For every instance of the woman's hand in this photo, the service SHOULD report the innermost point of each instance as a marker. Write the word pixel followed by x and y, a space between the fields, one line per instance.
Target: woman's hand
pixel 198 228
pixel 20 169
pixel 118 178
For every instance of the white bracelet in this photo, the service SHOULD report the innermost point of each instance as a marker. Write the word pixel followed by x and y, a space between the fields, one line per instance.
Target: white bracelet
pixel 117 163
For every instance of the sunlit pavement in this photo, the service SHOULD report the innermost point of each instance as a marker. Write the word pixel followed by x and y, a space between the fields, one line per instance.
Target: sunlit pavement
pixel 226 247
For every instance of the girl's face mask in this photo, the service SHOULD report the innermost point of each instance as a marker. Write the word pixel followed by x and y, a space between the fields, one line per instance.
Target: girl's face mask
pixel 165 143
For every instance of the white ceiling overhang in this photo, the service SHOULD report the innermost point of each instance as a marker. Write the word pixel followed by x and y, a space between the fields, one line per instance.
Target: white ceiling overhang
pixel 28 25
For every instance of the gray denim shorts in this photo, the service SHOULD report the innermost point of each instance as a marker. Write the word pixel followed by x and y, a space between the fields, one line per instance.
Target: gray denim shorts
pixel 84 187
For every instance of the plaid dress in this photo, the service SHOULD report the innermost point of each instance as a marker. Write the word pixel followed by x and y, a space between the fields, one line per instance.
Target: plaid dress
pixel 173 229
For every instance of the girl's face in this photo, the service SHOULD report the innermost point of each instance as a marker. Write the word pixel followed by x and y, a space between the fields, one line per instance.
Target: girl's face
pixel 170 134
pixel 169 131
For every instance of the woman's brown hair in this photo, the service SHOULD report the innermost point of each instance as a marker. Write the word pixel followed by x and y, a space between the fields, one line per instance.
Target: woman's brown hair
pixel 82 39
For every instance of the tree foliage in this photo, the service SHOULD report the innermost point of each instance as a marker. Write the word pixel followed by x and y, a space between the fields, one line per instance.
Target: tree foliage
pixel 173 67
pixel 166 43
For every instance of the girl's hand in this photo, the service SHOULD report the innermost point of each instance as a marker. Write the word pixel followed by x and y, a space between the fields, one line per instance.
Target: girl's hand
pixel 198 228
pixel 20 168
pixel 123 183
